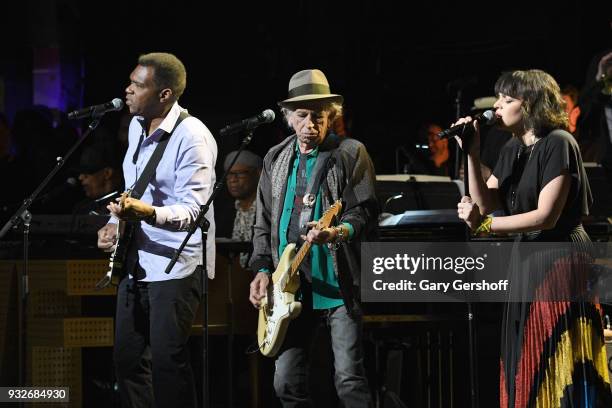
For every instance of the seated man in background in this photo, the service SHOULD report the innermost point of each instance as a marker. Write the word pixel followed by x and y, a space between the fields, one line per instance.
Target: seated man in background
pixel 419 160
pixel 242 182
pixel 438 149
pixel 570 95
pixel 595 123
pixel 100 175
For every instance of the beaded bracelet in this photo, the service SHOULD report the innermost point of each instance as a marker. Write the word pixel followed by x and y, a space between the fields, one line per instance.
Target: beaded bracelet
pixel 340 233
pixel 341 236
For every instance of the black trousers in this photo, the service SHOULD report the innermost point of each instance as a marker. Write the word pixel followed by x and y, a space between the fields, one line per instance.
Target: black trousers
pixel 153 324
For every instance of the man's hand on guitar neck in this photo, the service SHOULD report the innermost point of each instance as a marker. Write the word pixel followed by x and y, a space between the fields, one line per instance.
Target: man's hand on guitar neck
pixel 107 237
pixel 131 209
pixel 258 288
pixel 325 235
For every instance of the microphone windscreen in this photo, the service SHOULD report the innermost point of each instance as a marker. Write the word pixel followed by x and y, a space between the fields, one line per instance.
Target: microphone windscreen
pixel 117 103
pixel 268 115
pixel 489 117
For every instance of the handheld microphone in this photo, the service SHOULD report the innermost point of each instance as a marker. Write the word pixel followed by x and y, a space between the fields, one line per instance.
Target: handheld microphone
pixel 485 118
pixel 251 123
pixel 96 110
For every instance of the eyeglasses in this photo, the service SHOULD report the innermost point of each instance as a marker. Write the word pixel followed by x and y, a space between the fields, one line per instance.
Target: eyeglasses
pixel 238 174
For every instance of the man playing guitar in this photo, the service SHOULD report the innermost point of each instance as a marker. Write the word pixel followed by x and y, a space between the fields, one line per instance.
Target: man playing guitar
pixel 302 178
pixel 155 310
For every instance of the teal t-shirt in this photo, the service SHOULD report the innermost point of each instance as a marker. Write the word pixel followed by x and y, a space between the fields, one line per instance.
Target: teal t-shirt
pixel 325 287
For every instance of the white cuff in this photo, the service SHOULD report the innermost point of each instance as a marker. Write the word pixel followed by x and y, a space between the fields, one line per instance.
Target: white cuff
pixel 161 215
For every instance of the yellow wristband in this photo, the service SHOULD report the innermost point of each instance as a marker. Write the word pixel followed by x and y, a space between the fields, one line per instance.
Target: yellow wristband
pixel 485 225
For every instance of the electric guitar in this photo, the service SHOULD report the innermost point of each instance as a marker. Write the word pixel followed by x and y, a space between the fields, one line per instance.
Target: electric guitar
pixel 125 232
pixel 279 307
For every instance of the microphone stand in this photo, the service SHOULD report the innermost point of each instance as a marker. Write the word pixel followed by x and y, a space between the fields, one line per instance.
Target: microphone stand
pixel 416 191
pixel 23 215
pixel 457 166
pixel 470 313
pixel 202 223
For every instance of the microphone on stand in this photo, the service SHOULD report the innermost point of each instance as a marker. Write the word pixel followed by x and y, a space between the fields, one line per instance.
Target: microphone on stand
pixel 97 110
pixel 251 123
pixel 485 118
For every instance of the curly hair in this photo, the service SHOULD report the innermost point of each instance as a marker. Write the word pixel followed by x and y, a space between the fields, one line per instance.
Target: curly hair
pixel 169 71
pixel 543 105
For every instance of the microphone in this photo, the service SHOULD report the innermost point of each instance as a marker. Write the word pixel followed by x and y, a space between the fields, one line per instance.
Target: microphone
pixel 97 110
pixel 69 184
pixel 251 123
pixel 487 118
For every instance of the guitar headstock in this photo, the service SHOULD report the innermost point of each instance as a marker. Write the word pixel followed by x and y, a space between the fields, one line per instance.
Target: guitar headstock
pixel 328 216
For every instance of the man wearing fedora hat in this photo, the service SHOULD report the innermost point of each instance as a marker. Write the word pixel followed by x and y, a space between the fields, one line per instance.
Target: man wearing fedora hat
pixel 301 177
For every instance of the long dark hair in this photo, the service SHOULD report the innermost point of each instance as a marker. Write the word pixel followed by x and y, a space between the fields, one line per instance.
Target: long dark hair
pixel 543 106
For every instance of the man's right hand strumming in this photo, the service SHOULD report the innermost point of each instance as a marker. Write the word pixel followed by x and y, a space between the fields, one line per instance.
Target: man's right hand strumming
pixel 258 288
pixel 107 237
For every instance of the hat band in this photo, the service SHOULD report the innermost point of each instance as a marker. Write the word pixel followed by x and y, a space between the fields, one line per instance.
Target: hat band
pixel 309 89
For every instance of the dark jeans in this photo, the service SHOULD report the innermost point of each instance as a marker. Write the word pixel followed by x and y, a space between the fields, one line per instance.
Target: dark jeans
pixel 153 324
pixel 291 375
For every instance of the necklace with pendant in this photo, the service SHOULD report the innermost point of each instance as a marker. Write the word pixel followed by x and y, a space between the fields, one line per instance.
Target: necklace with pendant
pixel 523 149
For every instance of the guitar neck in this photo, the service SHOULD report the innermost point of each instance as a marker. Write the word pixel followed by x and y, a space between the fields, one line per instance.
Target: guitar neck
pixel 299 257
pixel 324 221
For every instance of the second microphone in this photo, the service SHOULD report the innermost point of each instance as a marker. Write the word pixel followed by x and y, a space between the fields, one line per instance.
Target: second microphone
pixel 251 123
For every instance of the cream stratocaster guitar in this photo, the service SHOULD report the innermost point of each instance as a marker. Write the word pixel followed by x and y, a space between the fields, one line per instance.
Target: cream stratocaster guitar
pixel 279 307
pixel 125 231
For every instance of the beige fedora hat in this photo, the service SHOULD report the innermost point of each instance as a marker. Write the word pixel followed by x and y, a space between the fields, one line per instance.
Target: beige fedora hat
pixel 309 85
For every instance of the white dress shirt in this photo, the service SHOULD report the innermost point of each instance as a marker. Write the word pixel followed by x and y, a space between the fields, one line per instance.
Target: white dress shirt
pixel 183 180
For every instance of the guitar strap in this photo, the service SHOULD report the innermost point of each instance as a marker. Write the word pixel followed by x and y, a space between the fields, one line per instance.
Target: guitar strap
pixel 325 161
pixel 147 174
pixel 141 185
pixel 319 172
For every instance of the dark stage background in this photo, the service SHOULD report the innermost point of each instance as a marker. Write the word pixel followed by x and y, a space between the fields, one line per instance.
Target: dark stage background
pixel 395 62
pixel 398 65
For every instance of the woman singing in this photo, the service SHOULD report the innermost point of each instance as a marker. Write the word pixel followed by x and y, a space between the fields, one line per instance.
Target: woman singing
pixel 552 352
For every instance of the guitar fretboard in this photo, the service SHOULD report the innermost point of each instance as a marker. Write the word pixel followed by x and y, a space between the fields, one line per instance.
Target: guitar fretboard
pixel 299 257
pixel 324 222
